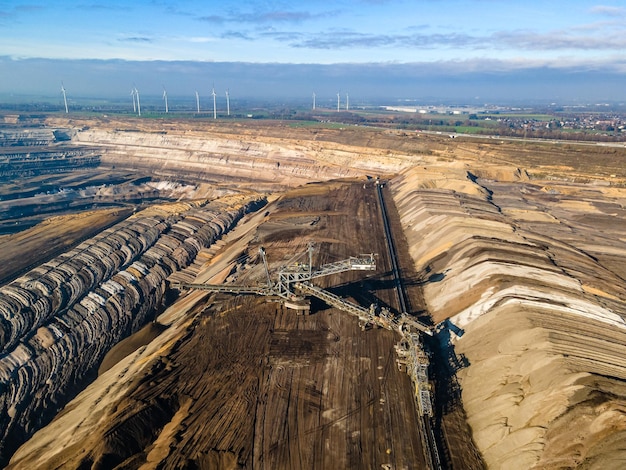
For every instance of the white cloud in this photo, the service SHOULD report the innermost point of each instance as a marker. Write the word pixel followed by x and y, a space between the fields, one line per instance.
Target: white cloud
pixel 608 10
pixel 198 39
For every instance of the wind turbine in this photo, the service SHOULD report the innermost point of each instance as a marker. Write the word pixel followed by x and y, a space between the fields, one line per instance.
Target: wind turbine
pixel 64 97
pixel 165 98
pixel 313 100
pixel 132 93
pixel 214 108
pixel 197 103
pixel 347 102
pixel 227 103
pixel 338 101
pixel 138 103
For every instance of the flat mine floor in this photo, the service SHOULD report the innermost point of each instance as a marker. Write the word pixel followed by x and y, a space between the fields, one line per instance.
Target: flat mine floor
pixel 289 391
pixel 272 389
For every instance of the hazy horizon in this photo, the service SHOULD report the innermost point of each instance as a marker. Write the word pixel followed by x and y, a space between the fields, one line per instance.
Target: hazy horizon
pixel 113 79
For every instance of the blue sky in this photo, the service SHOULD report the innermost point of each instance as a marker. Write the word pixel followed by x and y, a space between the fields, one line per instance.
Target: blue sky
pixel 453 37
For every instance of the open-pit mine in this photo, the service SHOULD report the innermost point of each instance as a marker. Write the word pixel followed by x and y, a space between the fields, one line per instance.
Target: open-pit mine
pixel 251 294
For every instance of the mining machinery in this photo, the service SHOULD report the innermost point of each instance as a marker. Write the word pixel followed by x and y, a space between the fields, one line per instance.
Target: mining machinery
pixel 294 282
pixel 294 279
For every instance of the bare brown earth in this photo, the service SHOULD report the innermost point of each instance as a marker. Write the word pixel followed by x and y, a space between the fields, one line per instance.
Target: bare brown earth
pixel 516 250
pixel 18 251
pixel 246 383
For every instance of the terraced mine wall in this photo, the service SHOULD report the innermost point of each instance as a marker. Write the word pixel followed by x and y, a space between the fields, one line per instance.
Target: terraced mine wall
pixel 59 320
pixel 266 163
pixel 57 201
pixel 536 329
pixel 29 152
pixel 32 137
pixel 37 162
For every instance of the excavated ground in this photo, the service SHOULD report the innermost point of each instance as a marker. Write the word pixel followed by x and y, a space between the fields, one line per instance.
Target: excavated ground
pixel 249 384
pixel 26 248
pixel 518 248
pixel 532 296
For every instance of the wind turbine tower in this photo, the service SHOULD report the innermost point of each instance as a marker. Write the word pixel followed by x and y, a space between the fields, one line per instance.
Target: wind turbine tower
pixel 214 108
pixel 313 100
pixel 132 94
pixel 227 103
pixel 347 102
pixel 64 97
pixel 165 98
pixel 338 101
pixel 138 103
pixel 197 103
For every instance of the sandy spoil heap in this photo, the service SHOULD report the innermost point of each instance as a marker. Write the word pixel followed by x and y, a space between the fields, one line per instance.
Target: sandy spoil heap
pixel 545 382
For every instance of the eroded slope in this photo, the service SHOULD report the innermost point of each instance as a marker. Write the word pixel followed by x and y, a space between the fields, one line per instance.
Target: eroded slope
pixel 537 318
pixel 245 160
pixel 59 320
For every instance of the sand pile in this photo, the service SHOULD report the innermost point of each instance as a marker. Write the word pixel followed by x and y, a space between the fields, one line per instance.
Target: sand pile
pixel 545 385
